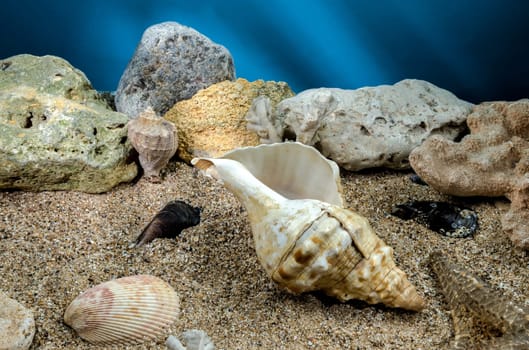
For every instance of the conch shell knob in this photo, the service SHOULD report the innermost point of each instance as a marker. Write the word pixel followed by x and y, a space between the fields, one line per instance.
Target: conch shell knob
pixel 156 141
pixel 340 254
pixel 303 242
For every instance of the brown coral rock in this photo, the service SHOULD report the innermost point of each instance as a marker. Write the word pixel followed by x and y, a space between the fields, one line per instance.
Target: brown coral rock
pixel 213 121
pixel 492 161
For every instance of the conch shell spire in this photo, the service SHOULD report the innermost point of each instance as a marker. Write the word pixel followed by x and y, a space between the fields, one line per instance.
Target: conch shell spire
pixel 304 238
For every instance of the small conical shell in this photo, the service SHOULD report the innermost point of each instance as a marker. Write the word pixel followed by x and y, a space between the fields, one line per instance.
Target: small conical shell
pixel 155 139
pixel 125 310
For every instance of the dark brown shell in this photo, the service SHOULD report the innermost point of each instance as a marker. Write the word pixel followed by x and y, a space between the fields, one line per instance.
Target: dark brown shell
pixel 169 222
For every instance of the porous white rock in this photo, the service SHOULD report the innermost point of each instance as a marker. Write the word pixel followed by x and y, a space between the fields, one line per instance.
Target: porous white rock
pixel 363 128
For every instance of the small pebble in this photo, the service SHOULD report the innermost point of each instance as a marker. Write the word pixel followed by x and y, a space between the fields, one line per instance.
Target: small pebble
pixel 17 326
pixel 416 179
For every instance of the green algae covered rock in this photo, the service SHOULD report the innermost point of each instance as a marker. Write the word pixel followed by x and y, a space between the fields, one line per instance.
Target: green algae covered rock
pixel 56 132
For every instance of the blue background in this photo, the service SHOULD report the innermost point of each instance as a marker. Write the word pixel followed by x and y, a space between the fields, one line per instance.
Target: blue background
pixel 477 49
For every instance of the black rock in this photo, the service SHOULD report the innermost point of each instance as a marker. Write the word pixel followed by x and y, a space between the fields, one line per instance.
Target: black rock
pixel 445 218
pixel 416 179
pixel 169 222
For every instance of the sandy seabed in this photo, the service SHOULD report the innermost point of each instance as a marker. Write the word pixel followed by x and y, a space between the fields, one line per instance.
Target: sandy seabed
pixel 55 245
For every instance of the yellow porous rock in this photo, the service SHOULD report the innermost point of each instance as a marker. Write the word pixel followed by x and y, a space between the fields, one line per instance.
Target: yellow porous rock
pixel 213 121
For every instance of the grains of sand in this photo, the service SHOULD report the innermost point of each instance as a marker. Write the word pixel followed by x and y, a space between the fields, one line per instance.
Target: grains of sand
pixel 55 245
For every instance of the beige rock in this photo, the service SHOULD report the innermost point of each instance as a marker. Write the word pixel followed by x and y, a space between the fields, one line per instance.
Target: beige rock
pixel 17 326
pixel 213 121
pixel 492 161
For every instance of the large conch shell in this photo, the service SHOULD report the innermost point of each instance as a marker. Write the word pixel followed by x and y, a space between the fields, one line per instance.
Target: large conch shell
pixel 156 141
pixel 122 311
pixel 304 238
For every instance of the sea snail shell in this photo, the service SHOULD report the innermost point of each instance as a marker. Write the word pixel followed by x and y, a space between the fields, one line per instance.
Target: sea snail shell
pixel 303 236
pixel 156 141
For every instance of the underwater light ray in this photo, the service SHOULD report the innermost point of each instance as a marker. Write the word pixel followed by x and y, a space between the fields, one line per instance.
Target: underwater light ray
pixel 357 64
pixel 444 44
pixel 332 59
pixel 476 50
pixel 398 44
pixel 277 40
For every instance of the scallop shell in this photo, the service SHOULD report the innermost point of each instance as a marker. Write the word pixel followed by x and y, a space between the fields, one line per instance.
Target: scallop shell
pixel 304 238
pixel 125 310
pixel 155 139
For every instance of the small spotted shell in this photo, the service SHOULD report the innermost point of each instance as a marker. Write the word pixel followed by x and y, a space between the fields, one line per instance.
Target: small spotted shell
pixel 125 310
pixel 156 141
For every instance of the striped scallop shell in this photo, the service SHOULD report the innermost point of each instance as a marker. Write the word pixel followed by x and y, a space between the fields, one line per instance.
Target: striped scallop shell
pixel 125 310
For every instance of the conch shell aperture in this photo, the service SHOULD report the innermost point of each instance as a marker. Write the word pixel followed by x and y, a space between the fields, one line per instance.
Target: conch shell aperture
pixel 303 236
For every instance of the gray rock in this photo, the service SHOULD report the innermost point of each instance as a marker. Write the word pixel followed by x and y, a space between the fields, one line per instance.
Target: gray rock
pixel 171 63
pixel 364 128
pixel 17 326
pixel 57 132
